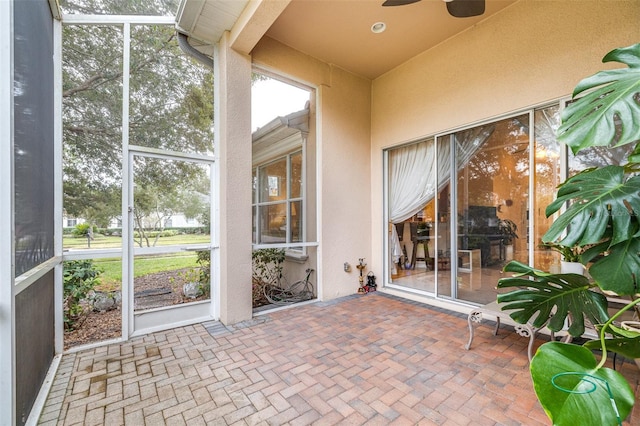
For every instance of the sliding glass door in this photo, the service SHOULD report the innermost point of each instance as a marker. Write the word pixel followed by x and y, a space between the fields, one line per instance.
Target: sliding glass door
pixel 492 204
pixel 412 191
pixel 460 205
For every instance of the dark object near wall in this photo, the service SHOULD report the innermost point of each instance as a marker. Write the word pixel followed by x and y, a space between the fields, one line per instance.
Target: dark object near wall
pixel 34 197
pixel 34 132
pixel 34 342
pixel 479 230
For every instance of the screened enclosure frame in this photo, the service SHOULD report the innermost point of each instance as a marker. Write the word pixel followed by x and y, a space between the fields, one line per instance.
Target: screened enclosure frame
pixel 126 252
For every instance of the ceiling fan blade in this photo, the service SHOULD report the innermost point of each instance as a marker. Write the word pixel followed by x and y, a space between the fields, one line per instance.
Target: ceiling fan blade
pixel 398 2
pixel 465 8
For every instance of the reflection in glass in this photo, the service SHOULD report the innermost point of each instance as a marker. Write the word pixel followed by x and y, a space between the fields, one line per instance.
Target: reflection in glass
pixel 444 260
pixel 493 182
pixel 546 179
pixel 273 181
pixel 296 175
pixel 296 221
pixel 412 214
pixel 254 210
pixel 279 206
pixel 254 186
pixel 598 156
pixel 491 221
pixel 273 223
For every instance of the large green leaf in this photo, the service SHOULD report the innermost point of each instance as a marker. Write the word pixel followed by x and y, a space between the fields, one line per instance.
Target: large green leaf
pixel 623 342
pixel 604 208
pixel 619 271
pixel 540 296
pixel 606 95
pixel 596 196
pixel 627 347
pixel 580 397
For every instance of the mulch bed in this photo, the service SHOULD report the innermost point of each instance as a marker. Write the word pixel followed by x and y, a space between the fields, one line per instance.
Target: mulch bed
pixel 151 291
pixel 97 326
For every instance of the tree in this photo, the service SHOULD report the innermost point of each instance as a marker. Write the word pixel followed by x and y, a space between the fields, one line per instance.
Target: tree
pixel 157 197
pixel 120 7
pixel 171 108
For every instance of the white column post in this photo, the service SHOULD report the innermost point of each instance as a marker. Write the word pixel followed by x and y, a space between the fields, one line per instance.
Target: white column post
pixel 127 195
pixel 232 98
pixel 7 301
pixel 57 186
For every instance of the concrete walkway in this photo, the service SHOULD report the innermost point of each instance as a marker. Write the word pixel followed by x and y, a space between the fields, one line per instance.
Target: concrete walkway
pixel 365 359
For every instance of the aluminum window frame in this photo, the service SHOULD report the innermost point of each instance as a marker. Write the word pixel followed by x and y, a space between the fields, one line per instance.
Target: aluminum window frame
pixel 453 300
pixel 294 249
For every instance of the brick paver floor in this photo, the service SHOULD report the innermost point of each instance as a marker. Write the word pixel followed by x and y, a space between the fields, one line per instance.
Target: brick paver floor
pixel 365 359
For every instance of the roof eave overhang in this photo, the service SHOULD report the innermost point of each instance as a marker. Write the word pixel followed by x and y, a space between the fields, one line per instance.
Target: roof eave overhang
pixel 246 20
pixel 295 122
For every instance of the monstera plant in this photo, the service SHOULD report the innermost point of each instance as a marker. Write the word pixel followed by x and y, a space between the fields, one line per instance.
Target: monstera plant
pixel 602 215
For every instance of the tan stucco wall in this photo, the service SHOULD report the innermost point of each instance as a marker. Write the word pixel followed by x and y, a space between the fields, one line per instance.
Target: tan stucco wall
pixel 531 52
pixel 233 120
pixel 345 171
pixel 344 168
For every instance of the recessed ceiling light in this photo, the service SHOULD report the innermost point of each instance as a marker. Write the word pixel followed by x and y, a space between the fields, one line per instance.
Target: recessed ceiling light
pixel 378 27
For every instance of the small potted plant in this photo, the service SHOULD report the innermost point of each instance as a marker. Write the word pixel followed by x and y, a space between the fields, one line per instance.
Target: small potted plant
pixel 571 257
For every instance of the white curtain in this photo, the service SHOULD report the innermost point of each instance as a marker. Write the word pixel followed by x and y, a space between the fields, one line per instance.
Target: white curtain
pixel 468 142
pixel 412 174
pixel 411 179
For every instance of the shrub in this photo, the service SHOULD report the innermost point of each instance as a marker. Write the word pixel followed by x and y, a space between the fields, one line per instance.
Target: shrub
pixel 155 233
pixel 190 275
pixel 267 265
pixel 204 260
pixel 81 229
pixel 111 231
pixel 267 270
pixel 80 277
pixel 191 230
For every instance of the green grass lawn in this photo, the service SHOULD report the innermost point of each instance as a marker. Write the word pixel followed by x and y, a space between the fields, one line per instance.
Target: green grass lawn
pixel 111 278
pixel 101 241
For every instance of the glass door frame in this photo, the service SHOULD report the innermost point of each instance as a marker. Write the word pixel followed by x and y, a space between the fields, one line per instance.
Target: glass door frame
pixel 530 111
pixel 143 322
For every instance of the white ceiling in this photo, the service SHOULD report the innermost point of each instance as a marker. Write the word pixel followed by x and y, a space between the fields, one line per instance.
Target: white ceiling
pixel 339 31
